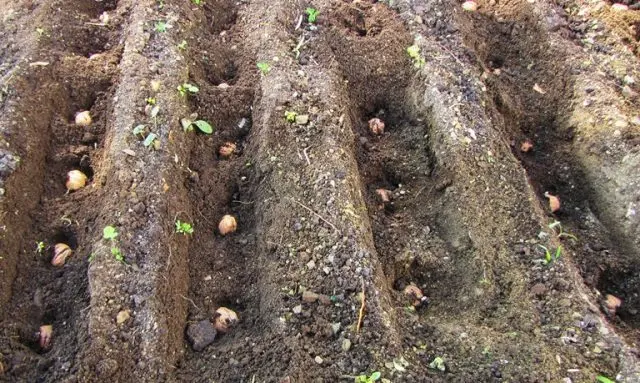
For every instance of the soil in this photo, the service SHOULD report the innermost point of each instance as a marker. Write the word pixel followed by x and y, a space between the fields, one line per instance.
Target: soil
pixel 335 221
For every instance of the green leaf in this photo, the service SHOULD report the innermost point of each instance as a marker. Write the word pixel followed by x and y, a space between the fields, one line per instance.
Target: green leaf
pixel 139 129
pixel 192 88
pixel 437 364
pixel 414 51
pixel 604 379
pixel 109 232
pixel 204 126
pixel 375 376
pixel 264 67
pixel 150 138
pixel 312 14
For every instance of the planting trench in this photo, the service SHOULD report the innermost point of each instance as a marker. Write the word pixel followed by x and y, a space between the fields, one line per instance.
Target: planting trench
pixel 463 221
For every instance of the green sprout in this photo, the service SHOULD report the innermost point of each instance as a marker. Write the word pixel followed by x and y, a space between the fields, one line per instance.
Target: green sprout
pixel 312 14
pixel 198 2
pixel 550 258
pixel 150 140
pixel 437 364
pixel 290 116
pixel 150 100
pixel 187 88
pixel 202 125
pixel 40 246
pixel 183 45
pixel 184 228
pixel 414 52
pixel 160 26
pixel 264 67
pixel 110 233
pixel 561 233
pixel 374 377
pixel 604 379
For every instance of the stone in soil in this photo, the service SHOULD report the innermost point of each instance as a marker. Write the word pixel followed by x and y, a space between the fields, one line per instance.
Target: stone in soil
pixel 201 334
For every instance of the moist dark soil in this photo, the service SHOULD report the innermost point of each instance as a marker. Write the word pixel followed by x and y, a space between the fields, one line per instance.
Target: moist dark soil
pixel 426 251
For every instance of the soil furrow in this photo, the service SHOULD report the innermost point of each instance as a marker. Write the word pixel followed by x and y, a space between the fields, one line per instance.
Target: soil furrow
pixel 389 167
pixel 54 145
pixel 543 103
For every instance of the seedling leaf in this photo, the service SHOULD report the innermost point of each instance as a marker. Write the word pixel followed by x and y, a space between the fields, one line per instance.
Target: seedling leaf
pixel 437 364
pixel 149 139
pixel 109 232
pixel 312 14
pixel 604 379
pixel 139 129
pixel 264 67
pixel 375 376
pixel 203 126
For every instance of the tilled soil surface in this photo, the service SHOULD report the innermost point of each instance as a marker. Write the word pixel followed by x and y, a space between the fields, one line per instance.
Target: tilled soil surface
pixel 489 115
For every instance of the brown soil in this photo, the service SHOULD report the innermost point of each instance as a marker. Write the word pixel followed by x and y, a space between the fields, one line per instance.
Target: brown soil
pixel 445 198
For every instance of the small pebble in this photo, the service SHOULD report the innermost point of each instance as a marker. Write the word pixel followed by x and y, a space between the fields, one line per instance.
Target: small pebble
pixel 346 345
pixel 297 310
pixel 318 359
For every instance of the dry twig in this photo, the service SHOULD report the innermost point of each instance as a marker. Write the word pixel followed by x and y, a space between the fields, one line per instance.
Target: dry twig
pixel 317 215
pixel 361 315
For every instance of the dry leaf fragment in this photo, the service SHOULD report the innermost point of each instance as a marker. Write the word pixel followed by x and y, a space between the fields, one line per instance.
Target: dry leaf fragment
pixel 129 152
pixel 224 319
pixel 123 316
pixel 538 89
pixel 526 146
pixel 554 202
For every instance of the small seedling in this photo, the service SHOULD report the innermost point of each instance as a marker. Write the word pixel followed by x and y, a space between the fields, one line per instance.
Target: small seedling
pixel 561 233
pixel 290 116
pixel 374 377
pixel 160 26
pixel 414 52
pixel 183 45
pixel 550 258
pixel 202 125
pixel 150 140
pixel 264 67
pixel 198 2
pixel 150 100
pixel 187 88
pixel 184 228
pixel 40 246
pixel 42 32
pixel 117 254
pixel 437 364
pixel 91 257
pixel 110 233
pixel 604 379
pixel 139 130
pixel 312 14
